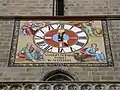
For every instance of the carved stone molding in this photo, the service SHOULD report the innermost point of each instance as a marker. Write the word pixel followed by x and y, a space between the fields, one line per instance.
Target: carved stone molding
pixel 59 86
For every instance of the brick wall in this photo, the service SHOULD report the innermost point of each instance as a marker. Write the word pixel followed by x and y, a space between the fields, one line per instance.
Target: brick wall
pixel 44 7
pixel 86 7
pixel 25 7
pixel 92 7
pixel 72 7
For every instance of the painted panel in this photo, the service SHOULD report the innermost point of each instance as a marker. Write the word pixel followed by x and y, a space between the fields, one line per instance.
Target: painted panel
pixel 60 43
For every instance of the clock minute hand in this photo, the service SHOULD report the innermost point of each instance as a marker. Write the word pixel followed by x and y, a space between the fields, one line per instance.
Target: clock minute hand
pixel 62 31
pixel 60 35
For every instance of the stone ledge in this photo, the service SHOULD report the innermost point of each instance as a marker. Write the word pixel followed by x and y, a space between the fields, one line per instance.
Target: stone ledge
pixel 60 86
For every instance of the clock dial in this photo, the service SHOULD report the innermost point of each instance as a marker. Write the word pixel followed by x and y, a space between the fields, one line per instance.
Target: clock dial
pixel 60 38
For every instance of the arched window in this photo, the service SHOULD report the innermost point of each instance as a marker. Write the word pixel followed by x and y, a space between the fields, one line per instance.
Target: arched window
pixel 58 75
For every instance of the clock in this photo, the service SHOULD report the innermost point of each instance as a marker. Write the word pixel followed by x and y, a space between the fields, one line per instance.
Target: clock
pixel 60 38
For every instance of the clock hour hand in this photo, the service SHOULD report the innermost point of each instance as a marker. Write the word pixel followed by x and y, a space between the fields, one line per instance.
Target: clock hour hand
pixel 65 43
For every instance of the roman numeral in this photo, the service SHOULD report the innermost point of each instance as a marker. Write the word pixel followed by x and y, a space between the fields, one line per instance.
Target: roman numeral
pixel 61 50
pixel 68 27
pixel 72 49
pixel 41 43
pixel 82 37
pixel 48 48
pixel 79 32
pixel 42 31
pixel 38 37
pixel 58 27
pixel 71 28
pixel 79 43
pixel 50 27
pixel 76 30
pixel 45 46
pixel 61 26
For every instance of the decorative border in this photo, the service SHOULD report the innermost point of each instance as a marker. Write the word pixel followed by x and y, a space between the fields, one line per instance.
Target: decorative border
pixel 59 85
pixel 109 57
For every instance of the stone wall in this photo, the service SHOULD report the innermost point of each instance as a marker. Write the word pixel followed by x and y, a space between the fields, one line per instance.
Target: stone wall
pixel 25 7
pixel 44 8
pixel 72 7
pixel 92 7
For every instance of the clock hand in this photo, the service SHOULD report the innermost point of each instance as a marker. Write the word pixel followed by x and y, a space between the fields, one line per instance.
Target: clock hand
pixel 60 35
pixel 66 43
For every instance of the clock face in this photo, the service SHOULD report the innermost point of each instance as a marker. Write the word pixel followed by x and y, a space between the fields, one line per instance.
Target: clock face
pixel 60 38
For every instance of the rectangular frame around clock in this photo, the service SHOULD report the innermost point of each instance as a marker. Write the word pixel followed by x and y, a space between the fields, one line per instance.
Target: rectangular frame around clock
pixel 107 46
